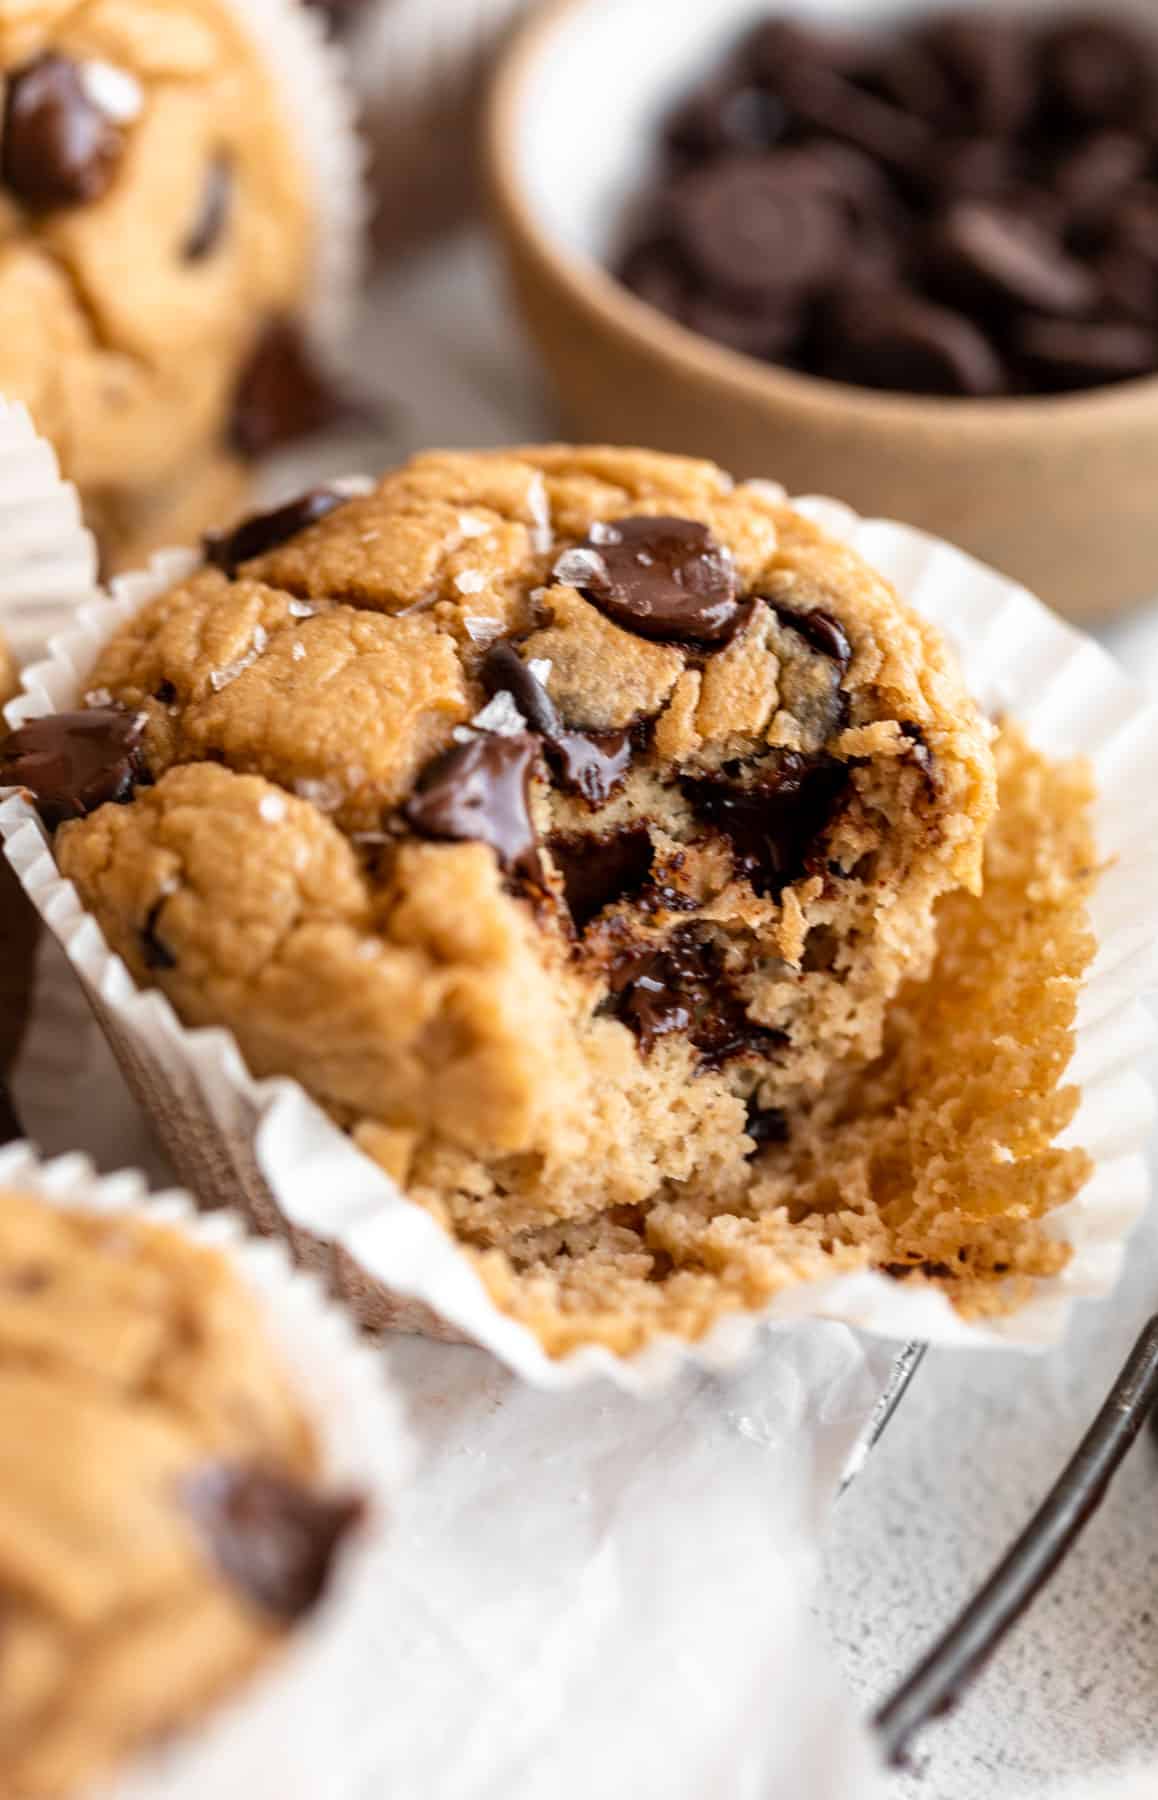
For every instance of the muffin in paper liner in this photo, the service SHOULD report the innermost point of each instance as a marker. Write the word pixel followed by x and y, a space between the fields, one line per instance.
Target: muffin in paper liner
pixel 264 1145
pixel 159 457
pixel 296 1715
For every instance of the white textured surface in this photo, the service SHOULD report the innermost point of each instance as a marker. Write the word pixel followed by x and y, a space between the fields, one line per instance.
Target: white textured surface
pixel 979 1437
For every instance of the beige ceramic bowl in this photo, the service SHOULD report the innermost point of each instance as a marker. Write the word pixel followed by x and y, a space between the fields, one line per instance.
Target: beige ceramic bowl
pixel 1060 492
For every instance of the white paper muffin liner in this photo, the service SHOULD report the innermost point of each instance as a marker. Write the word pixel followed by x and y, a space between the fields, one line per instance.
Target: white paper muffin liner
pixel 318 106
pixel 289 1729
pixel 48 556
pixel 266 1147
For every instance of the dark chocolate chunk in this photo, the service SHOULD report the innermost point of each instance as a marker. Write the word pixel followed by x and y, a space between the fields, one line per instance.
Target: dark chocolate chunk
pixel 267 1534
pixel 990 251
pixel 71 763
pixel 208 227
pixel 1075 353
pixel 887 338
pixel 480 793
pixel 684 986
pixel 988 64
pixel 10 1126
pixel 591 763
pixel 818 628
pixel 727 116
pixel 266 531
pixel 282 395
pixel 827 101
pixel 778 45
pixel 766 1125
pixel 1100 71
pixel 664 578
pixel 599 870
pixel 768 332
pixel 756 231
pixel 338 14
pixel 776 823
pixel 1099 172
pixel 57 146
pixel 156 954
pixel 655 274
pixel 503 670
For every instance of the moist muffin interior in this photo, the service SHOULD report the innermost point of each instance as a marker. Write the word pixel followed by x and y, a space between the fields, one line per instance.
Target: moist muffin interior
pixel 566 821
pixel 164 1525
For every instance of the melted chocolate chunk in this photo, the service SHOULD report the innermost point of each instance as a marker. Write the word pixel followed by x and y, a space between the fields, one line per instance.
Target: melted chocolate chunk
pixel 267 531
pixel 268 1535
pixel 71 763
pixel 818 628
pixel 208 227
pixel 776 822
pixel 282 395
pixel 504 671
pixel 766 1125
pixel 156 954
pixel 598 871
pixel 592 764
pixel 685 987
pixel 57 147
pixel 666 579
pixel 480 793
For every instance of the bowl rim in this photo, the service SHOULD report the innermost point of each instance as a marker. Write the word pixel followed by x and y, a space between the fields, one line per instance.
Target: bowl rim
pixel 615 308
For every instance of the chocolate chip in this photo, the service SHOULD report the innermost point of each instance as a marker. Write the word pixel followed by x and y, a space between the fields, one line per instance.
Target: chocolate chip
pixel 266 531
pixel 666 579
pixel 599 870
pixel 776 823
pixel 756 231
pixel 480 793
pixel 1098 172
pixel 727 116
pixel 887 338
pixel 71 763
pixel 267 1534
pixel 766 1125
pixel 504 671
pixel 655 274
pixel 1099 72
pixel 57 146
pixel 591 763
pixel 685 987
pixel 281 395
pixel 154 953
pixel 1075 353
pixel 828 101
pixel 338 14
pixel 213 213
pixel 994 253
pixel 818 628
pixel 769 332
pixel 988 64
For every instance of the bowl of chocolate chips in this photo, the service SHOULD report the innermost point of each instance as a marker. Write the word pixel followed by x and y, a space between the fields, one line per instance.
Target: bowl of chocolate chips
pixel 904 254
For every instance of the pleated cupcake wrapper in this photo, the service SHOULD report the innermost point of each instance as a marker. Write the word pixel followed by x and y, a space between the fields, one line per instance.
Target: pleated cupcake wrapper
pixel 318 107
pixel 48 557
pixel 265 1147
pixel 290 1729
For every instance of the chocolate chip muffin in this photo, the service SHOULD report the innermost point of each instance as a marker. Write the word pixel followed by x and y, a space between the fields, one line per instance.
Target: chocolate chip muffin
pixel 156 244
pixel 565 820
pixel 164 1522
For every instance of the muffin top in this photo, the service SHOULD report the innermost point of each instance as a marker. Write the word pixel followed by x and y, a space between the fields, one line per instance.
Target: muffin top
pixel 154 228
pixel 162 1524
pixel 519 783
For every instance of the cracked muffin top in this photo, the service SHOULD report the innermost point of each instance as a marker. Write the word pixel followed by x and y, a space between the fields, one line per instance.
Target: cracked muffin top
pixel 163 1526
pixel 563 819
pixel 154 228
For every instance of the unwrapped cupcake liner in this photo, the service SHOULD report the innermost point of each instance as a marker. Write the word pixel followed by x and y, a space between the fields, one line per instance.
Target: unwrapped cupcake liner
pixel 266 1147
pixel 288 1730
